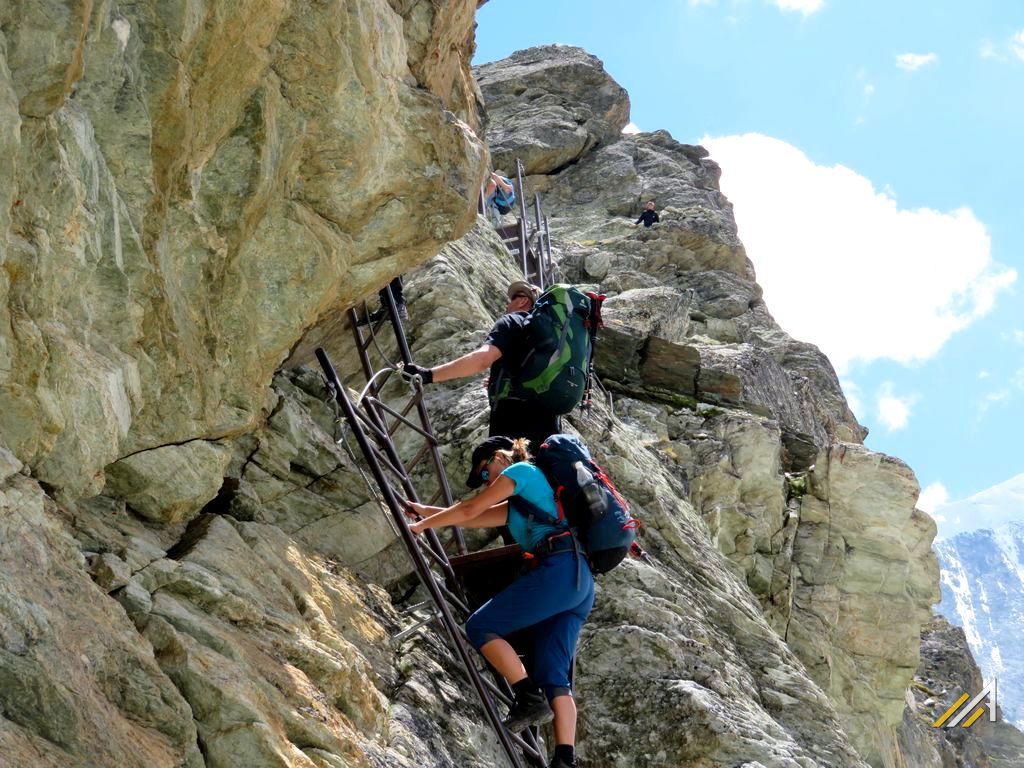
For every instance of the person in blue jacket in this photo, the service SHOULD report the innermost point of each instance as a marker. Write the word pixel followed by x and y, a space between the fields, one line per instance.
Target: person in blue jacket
pixel 499 196
pixel 554 597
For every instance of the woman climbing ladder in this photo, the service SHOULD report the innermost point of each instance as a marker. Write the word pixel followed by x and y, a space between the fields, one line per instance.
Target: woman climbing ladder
pixel 553 597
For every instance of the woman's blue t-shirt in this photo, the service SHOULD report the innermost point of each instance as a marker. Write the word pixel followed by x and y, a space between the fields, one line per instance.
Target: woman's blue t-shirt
pixel 534 487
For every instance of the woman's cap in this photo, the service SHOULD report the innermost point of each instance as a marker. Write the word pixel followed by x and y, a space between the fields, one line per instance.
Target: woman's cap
pixel 485 450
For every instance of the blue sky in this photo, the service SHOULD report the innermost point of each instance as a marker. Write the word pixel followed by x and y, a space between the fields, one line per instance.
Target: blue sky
pixel 872 151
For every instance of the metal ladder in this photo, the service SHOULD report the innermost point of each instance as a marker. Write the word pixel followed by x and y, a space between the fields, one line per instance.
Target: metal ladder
pixel 374 423
pixel 529 244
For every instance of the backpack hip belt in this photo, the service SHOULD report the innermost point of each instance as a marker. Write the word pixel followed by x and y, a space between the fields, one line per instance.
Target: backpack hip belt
pixel 554 545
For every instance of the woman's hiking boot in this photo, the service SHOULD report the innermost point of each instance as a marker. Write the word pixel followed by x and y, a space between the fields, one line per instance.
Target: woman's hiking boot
pixel 558 762
pixel 530 707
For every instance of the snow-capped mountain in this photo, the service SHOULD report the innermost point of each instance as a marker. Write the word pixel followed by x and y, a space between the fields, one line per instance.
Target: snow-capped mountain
pixel 983 591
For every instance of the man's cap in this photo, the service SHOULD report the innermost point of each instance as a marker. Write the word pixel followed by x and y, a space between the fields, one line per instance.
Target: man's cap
pixel 485 450
pixel 521 286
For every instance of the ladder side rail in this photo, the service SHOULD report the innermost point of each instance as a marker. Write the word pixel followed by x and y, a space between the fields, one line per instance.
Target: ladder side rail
pixel 453 598
pixel 497 685
pixel 361 343
pixel 387 457
pixel 422 570
pixel 522 249
pixel 374 389
pixel 435 453
pixel 522 199
pixel 538 255
pixel 435 552
pixel 534 252
pixel 385 454
pixel 549 266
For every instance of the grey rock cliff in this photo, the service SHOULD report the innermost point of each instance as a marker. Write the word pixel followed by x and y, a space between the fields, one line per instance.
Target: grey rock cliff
pixel 189 188
pixel 549 106
pixel 947 671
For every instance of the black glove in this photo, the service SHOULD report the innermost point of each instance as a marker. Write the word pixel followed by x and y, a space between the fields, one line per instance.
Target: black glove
pixel 411 369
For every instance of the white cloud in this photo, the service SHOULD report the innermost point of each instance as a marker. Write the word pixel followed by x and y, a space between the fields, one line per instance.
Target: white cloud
pixel 983 375
pixel 894 411
pixel 631 128
pixel 1017 335
pixel 1017 45
pixel 869 90
pixel 695 3
pixel 806 7
pixel 1010 389
pixel 987 50
pixel 912 62
pixel 1006 50
pixel 932 497
pixel 843 266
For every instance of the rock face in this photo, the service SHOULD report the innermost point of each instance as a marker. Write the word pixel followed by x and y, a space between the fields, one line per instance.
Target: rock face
pixel 548 106
pixel 947 671
pixel 821 530
pixel 78 686
pixel 189 189
pixel 199 228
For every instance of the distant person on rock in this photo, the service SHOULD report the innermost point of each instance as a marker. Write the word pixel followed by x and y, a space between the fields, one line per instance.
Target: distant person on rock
pixel 648 217
pixel 499 196
pixel 504 350
pixel 553 597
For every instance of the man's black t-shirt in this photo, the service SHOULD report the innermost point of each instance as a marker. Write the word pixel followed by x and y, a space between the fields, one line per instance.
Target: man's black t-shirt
pixel 516 418
pixel 509 335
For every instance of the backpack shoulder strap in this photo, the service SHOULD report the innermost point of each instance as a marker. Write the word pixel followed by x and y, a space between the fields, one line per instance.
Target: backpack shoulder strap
pixel 532 512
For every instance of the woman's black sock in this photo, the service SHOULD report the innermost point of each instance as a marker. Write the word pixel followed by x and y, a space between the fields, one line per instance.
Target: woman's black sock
pixel 567 753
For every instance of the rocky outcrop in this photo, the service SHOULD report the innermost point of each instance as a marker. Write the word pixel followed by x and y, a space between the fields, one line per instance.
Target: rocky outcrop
pixel 946 672
pixel 77 686
pixel 189 190
pixel 823 531
pixel 219 646
pixel 549 106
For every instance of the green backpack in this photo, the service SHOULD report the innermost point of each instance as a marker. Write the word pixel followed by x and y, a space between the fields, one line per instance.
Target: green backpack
pixel 556 368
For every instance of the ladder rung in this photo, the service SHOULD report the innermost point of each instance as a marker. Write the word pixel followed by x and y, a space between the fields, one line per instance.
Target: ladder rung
pixel 415 627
